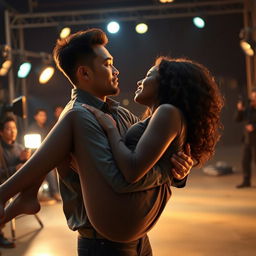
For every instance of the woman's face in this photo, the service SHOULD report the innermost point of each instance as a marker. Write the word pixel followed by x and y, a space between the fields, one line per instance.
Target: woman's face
pixel 147 90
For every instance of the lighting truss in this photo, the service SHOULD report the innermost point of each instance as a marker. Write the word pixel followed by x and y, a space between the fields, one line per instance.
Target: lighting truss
pixel 148 12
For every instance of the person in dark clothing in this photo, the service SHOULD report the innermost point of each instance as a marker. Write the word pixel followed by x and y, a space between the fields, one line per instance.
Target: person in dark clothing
pixel 39 126
pixel 12 156
pixel 89 67
pixel 248 116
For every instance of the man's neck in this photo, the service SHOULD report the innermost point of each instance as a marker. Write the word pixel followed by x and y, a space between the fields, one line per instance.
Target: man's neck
pixel 9 142
pixel 102 98
pixel 41 125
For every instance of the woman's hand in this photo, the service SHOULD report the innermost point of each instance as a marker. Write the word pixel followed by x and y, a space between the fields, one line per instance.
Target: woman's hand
pixel 105 120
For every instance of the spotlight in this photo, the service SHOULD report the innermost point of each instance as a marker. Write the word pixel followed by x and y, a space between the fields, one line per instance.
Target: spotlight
pixel 141 28
pixel 32 141
pixel 47 71
pixel 24 69
pixel 113 27
pixel 5 62
pixel 65 32
pixel 199 22
pixel 166 1
pixel 46 74
pixel 247 44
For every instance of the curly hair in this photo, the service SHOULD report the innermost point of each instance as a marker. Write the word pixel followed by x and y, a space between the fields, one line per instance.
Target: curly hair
pixel 191 88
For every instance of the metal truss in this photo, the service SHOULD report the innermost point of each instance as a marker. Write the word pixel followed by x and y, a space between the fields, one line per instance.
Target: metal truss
pixel 148 12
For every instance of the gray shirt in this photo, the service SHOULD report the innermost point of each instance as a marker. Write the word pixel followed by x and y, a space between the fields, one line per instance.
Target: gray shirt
pixel 91 146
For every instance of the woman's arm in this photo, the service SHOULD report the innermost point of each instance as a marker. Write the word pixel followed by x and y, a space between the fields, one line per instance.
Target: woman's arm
pixel 160 132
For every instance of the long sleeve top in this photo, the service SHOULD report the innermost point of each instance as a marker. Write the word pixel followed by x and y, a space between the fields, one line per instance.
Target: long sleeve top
pixel 93 149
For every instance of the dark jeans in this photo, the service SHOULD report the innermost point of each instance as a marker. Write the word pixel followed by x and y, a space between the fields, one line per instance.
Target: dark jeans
pixel 249 154
pixel 103 247
pixel 52 181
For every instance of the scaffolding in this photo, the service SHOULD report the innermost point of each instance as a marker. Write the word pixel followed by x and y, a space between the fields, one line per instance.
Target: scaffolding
pixel 15 23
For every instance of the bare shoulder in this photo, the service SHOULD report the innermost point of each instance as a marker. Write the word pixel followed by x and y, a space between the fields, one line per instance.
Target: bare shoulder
pixel 168 110
pixel 167 115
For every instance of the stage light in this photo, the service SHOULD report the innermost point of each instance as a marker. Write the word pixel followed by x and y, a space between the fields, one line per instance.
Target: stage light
pixel 65 32
pixel 113 27
pixel 199 22
pixel 166 1
pixel 141 28
pixel 24 69
pixel 32 141
pixel 46 74
pixel 5 67
pixel 247 44
pixel 5 62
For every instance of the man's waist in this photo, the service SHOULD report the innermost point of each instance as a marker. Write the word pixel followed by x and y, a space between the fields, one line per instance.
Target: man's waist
pixel 89 233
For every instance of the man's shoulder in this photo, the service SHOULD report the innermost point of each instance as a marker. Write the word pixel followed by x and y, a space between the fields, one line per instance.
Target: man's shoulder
pixel 127 114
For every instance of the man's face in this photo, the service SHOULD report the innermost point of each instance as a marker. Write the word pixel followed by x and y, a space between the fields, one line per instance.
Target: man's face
pixel 41 117
pixel 253 99
pixel 104 74
pixel 9 133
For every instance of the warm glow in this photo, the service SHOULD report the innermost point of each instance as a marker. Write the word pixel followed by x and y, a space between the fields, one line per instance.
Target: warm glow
pixel 46 75
pixel 7 64
pixel 245 45
pixel 3 71
pixel 65 32
pixel 141 28
pixel 166 1
pixel 126 102
pixel 250 52
pixel 32 141
pixel 247 48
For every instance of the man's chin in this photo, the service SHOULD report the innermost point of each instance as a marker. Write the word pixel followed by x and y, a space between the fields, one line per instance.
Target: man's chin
pixel 115 91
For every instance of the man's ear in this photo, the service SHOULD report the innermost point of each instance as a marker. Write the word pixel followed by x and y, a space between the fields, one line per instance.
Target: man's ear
pixel 84 72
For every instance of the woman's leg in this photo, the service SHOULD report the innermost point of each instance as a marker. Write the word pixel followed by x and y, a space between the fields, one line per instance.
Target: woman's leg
pixel 53 150
pixel 25 202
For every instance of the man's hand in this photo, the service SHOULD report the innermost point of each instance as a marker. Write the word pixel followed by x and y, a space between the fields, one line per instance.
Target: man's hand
pixel 182 163
pixel 25 155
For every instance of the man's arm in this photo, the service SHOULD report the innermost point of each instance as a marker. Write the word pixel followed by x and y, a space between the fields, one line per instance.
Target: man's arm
pixel 94 152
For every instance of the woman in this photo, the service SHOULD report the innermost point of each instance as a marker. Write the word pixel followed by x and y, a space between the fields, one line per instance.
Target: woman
pixel 185 106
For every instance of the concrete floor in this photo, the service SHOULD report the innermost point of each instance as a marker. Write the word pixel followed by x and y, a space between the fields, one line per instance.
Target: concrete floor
pixel 210 217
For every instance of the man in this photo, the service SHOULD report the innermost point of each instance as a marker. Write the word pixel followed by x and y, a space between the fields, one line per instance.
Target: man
pixel 57 112
pixel 88 65
pixel 248 115
pixel 39 126
pixel 12 157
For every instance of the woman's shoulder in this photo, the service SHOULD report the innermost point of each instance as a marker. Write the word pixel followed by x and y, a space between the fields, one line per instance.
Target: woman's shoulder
pixel 168 111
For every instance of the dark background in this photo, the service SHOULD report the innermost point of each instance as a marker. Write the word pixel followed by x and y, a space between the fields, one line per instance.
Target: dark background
pixel 216 46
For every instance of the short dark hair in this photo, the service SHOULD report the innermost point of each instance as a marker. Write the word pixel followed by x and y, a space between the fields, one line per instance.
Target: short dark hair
pixel 6 120
pixel 77 49
pixel 40 110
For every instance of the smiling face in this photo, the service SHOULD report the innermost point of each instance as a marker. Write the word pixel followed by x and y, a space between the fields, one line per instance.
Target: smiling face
pixel 147 90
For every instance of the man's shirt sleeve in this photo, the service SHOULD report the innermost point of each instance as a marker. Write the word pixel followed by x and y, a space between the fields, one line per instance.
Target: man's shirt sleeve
pixel 93 151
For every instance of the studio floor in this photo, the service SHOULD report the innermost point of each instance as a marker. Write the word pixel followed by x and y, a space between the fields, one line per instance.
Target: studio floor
pixel 210 217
